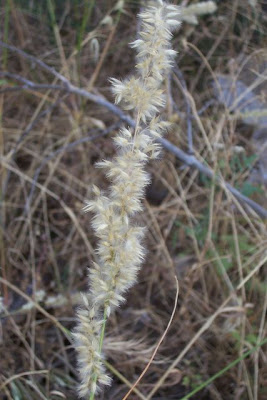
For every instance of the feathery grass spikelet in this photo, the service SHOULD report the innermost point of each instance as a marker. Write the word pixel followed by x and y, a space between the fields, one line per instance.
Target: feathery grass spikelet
pixel 207 7
pixel 120 251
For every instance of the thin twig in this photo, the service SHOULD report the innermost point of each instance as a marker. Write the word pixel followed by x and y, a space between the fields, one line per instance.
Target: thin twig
pixel 68 86
pixel 35 60
pixel 26 82
pixel 189 160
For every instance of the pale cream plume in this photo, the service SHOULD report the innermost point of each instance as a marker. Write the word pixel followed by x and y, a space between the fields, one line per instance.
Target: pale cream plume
pixel 120 251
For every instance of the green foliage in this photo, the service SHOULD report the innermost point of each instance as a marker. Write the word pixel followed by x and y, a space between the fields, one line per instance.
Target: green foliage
pixel 199 231
pixel 192 381
pixel 37 8
pixel 16 395
pixel 225 255
pixel 87 11
pixel 240 162
pixel 251 338
pixel 224 370
pixel 244 244
pixel 248 189
pixel 51 9
pixel 222 263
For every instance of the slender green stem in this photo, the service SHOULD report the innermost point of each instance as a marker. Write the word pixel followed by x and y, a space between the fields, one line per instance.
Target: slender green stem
pixel 222 371
pixel 52 14
pixel 103 327
pixel 102 334
pixel 86 15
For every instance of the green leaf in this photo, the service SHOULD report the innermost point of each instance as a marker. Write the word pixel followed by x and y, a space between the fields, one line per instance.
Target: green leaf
pixel 16 395
pixel 3 82
pixel 251 338
pixel 247 189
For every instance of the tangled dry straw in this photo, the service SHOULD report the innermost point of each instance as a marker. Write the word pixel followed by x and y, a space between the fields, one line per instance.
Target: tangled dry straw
pixel 120 251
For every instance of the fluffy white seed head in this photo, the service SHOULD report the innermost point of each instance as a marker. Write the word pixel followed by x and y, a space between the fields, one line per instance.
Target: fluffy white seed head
pixel 120 251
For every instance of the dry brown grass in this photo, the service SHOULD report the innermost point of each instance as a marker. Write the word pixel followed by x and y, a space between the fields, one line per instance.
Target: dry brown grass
pixel 197 231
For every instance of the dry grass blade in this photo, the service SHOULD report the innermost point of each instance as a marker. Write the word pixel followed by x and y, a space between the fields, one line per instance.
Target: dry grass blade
pixel 38 307
pixel 29 373
pixel 205 327
pixel 158 345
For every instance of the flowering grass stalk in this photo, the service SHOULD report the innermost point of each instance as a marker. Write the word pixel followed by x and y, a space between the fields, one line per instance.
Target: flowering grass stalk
pixel 120 252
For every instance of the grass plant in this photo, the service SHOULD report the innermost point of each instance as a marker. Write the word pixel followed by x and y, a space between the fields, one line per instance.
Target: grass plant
pixel 51 137
pixel 120 251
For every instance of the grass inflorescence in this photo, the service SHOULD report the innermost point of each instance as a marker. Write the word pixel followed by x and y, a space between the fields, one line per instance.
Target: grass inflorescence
pixel 120 251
